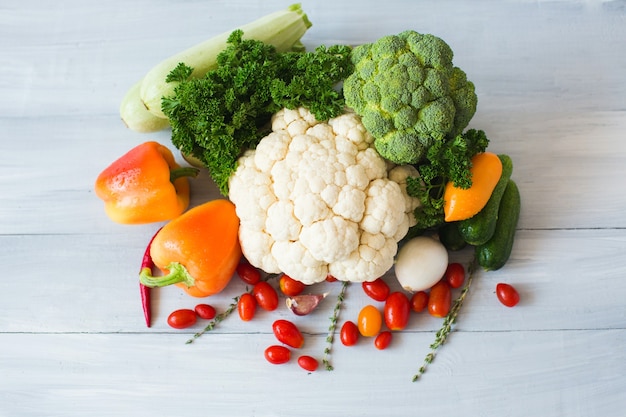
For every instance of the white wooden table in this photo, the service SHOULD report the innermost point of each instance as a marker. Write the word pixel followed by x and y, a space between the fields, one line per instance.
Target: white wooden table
pixel 552 94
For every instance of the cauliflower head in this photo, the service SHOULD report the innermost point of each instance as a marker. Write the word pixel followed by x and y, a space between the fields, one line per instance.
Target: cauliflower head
pixel 315 198
pixel 409 94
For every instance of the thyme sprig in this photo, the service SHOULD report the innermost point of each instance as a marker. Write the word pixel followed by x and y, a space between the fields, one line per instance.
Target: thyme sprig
pixel 334 319
pixel 218 319
pixel 446 328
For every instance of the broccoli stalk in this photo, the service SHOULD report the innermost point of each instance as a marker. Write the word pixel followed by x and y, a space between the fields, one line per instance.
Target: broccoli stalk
pixel 217 117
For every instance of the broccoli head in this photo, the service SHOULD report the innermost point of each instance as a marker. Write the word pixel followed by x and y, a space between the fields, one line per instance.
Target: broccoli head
pixel 408 94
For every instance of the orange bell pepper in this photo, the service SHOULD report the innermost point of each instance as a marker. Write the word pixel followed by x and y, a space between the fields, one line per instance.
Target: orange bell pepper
pixel 464 203
pixel 198 251
pixel 145 185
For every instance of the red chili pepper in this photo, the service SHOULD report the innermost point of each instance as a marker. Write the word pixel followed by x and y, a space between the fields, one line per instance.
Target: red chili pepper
pixel 147 264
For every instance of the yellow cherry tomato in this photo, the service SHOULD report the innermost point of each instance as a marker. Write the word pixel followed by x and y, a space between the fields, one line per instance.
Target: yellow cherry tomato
pixel 370 321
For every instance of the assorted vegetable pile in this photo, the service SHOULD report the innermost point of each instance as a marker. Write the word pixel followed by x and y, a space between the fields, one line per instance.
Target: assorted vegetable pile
pixel 348 164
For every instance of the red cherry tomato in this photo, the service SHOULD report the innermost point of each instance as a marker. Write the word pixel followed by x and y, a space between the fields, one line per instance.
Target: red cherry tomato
pixel 419 301
pixel 290 286
pixel 370 321
pixel 308 363
pixel 397 311
pixel 277 354
pixel 246 306
pixel 507 294
pixel 455 275
pixel 266 296
pixel 205 311
pixel 249 274
pixel 377 289
pixel 330 278
pixel 181 319
pixel 349 334
pixel 440 299
pixel 286 332
pixel 383 340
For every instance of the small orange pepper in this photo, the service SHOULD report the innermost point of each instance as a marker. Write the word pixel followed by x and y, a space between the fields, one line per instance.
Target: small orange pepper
pixel 463 203
pixel 197 251
pixel 145 185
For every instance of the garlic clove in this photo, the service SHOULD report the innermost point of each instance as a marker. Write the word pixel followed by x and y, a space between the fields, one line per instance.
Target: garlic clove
pixel 301 305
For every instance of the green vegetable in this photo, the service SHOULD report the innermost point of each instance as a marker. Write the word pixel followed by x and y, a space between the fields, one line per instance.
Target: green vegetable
pixel 136 116
pixel 450 237
pixel 495 253
pixel 445 161
pixel 479 228
pixel 282 29
pixel 409 94
pixel 217 117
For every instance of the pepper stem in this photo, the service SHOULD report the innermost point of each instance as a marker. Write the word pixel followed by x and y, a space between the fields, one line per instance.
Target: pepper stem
pixel 178 273
pixel 180 172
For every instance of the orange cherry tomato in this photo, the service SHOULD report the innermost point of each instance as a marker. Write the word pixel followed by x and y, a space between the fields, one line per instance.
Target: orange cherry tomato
pixel 249 274
pixel 246 306
pixel 286 332
pixel 370 321
pixel 205 311
pixel 383 340
pixel 419 301
pixel 455 275
pixel 277 354
pixel 440 299
pixel 349 333
pixel 289 286
pixel 308 363
pixel 181 319
pixel 377 289
pixel 507 294
pixel 397 311
pixel 266 296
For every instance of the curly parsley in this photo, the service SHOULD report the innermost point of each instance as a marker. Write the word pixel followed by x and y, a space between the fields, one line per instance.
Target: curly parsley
pixel 217 117
pixel 445 161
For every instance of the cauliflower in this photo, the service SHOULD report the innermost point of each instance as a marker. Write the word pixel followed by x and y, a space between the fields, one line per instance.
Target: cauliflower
pixel 315 198
pixel 409 94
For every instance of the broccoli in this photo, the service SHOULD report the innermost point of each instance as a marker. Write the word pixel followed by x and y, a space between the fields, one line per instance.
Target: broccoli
pixel 409 95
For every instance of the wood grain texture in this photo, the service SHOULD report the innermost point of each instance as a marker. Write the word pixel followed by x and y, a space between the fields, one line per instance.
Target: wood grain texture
pixel 72 338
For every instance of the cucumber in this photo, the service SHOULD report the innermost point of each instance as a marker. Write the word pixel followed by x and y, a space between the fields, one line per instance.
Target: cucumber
pixel 450 237
pixel 478 229
pixel 494 253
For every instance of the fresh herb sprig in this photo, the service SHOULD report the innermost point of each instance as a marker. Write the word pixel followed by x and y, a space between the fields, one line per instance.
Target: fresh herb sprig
pixel 334 319
pixel 445 161
pixel 442 334
pixel 217 117
pixel 218 319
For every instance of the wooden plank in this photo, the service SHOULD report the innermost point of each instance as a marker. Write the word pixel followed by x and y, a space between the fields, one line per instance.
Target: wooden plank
pixel 568 279
pixel 518 373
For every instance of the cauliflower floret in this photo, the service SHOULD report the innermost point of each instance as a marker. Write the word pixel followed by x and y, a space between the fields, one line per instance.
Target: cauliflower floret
pixel 315 198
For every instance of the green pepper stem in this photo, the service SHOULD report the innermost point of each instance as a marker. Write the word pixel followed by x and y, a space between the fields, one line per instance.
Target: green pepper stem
pixel 180 172
pixel 178 273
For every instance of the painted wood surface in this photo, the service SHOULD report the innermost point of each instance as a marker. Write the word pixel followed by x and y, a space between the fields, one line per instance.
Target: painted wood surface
pixel 552 94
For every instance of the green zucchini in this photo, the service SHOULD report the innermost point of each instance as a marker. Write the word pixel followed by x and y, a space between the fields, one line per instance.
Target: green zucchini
pixel 450 237
pixel 495 253
pixel 478 229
